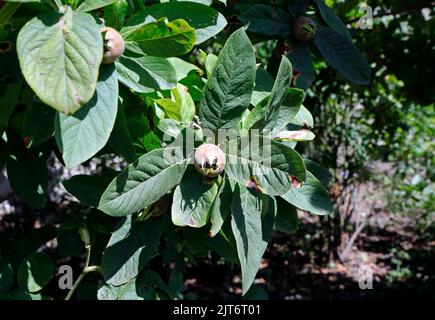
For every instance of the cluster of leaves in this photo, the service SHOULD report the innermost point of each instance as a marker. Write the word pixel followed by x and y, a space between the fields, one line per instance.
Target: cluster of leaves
pixel 59 98
pixel 332 39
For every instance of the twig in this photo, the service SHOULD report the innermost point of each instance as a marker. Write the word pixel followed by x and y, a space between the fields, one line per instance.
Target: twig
pixel 87 268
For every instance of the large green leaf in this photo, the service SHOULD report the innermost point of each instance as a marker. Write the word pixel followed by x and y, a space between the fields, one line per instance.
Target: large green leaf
pixel 268 171
pixel 221 207
pixel 182 68
pixel 300 57
pixel 303 118
pixel 116 13
pixel 332 19
pixel 120 139
pixel 132 290
pixel 60 55
pixel 228 92
pixel 251 233
pixel 286 217
pixel 83 134
pixel 143 137
pixel 33 188
pixel 342 55
pixel 38 123
pixel 129 249
pixel 161 38
pixel 8 100
pixel 263 86
pixel 89 5
pixel 321 173
pixel 146 74
pixel 267 20
pixel 206 21
pixel 35 272
pixel 193 200
pixel 277 121
pixel 144 182
pixel 279 90
pixel 88 189
pixel 310 196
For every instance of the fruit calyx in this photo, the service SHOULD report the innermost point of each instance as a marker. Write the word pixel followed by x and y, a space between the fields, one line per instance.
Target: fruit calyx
pixel 304 29
pixel 209 160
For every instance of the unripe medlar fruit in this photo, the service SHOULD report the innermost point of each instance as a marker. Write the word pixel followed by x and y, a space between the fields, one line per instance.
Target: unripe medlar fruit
pixel 304 29
pixel 113 45
pixel 209 160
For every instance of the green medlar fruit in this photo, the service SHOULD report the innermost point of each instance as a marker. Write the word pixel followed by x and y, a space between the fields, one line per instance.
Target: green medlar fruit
pixel 113 45
pixel 209 160
pixel 304 29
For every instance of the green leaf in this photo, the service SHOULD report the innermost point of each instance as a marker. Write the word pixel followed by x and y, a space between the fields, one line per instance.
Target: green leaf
pixel 9 100
pixel 69 242
pixel 250 234
pixel 268 171
pixel 146 74
pixel 182 68
pixel 267 20
pixel 120 139
pixel 33 188
pixel 160 38
pixel 286 218
pixel 89 5
pixel 144 182
pixel 115 14
pixel 210 63
pixel 318 171
pixel 180 95
pixel 332 19
pixel 206 21
pixel 263 86
pixel 301 59
pixel 60 56
pixel 132 290
pixel 228 92
pixel 279 90
pixel 193 200
pixel 8 10
pixel 143 136
pixel 38 123
pixel 22 294
pixel 83 134
pixel 342 55
pixel 303 118
pixel 170 108
pixel 88 189
pixel 129 249
pixel 285 113
pixel 310 196
pixel 221 208
pixel 35 272
pixel 6 276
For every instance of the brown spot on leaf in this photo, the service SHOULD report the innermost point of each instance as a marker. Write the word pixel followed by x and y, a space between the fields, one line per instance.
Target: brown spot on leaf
pixel 254 184
pixel 295 182
pixel 27 141
pixel 77 98
pixel 191 222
